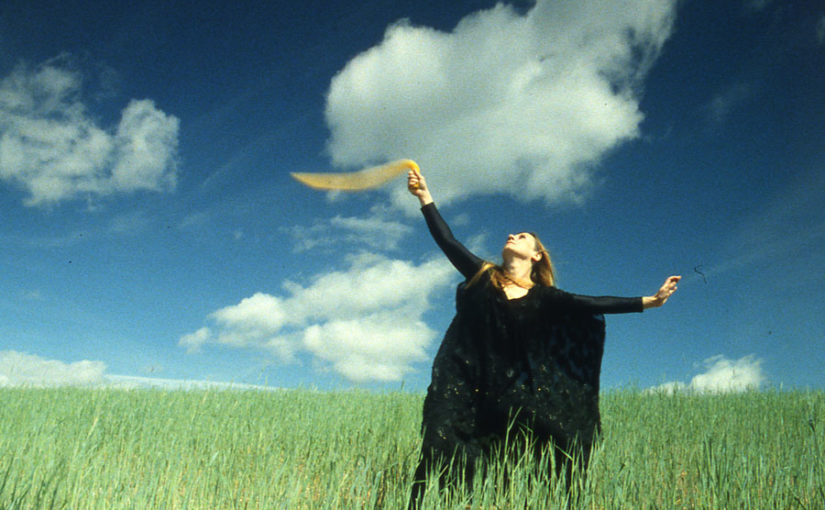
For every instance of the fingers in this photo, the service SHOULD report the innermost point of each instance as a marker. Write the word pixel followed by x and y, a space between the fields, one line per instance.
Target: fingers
pixel 665 291
pixel 415 182
pixel 668 288
pixel 412 181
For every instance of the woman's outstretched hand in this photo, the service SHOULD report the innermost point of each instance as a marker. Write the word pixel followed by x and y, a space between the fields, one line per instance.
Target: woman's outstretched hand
pixel 661 297
pixel 417 185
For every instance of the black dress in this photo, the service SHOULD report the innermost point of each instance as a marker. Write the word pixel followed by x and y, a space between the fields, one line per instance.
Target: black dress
pixel 530 363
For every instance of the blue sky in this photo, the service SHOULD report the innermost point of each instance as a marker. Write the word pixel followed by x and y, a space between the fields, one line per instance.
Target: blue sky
pixel 151 231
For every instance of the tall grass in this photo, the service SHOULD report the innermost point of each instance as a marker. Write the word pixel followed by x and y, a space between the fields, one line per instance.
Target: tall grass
pixel 95 448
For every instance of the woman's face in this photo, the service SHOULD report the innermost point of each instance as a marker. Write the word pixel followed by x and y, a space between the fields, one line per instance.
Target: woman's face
pixel 522 245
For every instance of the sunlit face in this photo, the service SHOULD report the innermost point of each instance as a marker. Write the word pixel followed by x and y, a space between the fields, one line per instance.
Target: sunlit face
pixel 521 245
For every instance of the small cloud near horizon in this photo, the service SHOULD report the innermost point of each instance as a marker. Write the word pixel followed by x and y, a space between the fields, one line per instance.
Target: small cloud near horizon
pixel 23 370
pixel 29 370
pixel 721 375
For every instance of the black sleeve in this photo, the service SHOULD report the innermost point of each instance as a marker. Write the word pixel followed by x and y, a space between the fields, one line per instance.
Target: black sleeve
pixel 463 260
pixel 556 299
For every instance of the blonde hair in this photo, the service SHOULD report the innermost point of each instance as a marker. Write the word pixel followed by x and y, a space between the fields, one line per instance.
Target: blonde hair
pixel 543 272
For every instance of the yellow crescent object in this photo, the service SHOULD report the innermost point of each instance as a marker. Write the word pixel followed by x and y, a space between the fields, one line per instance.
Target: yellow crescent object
pixel 356 181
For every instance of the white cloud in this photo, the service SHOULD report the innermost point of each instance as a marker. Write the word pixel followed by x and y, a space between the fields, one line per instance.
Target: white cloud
pixel 398 340
pixel 194 341
pixel 722 375
pixel 374 232
pixel 364 322
pixel 21 369
pixel 52 147
pixel 521 104
pixel 146 142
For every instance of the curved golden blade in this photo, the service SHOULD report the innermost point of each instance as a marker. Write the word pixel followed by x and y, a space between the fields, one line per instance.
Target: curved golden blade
pixel 367 178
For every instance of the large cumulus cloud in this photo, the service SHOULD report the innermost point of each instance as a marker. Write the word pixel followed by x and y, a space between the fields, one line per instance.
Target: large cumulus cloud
pixel 524 104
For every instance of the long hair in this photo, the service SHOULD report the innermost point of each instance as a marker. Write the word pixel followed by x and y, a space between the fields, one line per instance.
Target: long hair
pixel 543 272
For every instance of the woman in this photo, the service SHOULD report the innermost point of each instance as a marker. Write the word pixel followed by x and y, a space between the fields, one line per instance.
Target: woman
pixel 520 356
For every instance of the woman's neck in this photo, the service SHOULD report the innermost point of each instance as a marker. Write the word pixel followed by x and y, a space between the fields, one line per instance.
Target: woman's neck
pixel 518 271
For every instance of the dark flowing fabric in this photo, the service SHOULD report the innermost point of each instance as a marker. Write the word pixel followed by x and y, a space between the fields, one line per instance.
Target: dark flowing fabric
pixel 531 363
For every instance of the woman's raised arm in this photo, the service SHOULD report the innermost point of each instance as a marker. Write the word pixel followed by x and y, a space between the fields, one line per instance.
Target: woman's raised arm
pixel 462 259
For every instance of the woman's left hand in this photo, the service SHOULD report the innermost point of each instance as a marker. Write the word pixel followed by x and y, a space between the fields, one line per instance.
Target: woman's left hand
pixel 661 297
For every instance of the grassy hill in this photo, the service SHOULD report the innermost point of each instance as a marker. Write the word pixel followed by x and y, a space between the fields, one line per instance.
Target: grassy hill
pixel 212 449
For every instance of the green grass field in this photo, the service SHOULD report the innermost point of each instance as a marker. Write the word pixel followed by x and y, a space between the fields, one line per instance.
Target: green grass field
pixel 208 449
